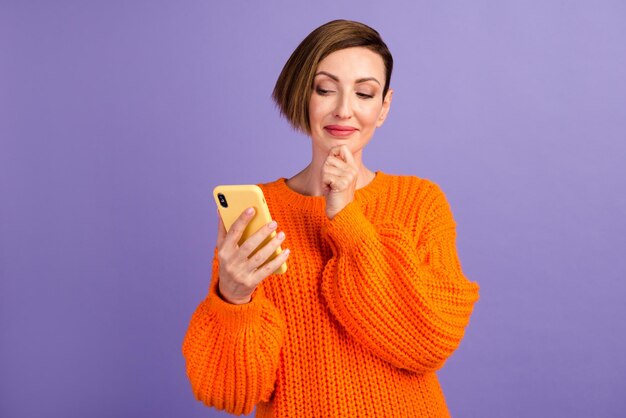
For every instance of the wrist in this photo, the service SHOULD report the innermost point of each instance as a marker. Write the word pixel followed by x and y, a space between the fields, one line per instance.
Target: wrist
pixel 233 300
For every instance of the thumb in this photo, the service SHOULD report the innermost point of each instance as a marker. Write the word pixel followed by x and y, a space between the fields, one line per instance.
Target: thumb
pixel 221 230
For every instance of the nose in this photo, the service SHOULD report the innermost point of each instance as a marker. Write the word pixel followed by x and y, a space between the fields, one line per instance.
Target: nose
pixel 343 109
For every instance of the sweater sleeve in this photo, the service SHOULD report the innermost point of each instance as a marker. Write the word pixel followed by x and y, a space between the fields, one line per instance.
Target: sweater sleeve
pixel 232 352
pixel 398 289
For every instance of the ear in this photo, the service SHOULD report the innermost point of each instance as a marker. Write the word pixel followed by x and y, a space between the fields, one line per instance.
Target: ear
pixel 385 110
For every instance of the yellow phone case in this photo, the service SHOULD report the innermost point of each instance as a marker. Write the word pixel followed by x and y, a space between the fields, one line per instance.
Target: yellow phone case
pixel 232 200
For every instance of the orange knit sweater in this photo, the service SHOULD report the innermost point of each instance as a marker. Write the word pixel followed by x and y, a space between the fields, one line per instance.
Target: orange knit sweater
pixel 373 303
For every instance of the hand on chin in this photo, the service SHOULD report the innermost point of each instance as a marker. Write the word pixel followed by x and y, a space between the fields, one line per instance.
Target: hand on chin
pixel 339 179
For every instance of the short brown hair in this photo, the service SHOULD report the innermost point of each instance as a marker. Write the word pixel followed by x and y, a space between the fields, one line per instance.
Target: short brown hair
pixel 292 91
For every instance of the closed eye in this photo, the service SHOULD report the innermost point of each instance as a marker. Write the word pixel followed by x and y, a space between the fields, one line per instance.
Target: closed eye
pixel 365 96
pixel 323 92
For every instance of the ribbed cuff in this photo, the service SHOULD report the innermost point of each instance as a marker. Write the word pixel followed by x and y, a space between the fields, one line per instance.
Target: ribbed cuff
pixel 349 228
pixel 233 315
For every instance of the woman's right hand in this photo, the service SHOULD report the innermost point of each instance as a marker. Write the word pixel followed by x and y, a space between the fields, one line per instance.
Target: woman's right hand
pixel 238 274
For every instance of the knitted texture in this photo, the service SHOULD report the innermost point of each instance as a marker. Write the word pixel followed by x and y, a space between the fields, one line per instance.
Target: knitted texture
pixel 373 303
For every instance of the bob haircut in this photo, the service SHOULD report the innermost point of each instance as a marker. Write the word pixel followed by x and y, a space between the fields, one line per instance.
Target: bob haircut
pixel 293 88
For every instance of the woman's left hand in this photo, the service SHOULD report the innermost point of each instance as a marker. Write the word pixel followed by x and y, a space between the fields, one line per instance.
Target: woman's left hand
pixel 339 177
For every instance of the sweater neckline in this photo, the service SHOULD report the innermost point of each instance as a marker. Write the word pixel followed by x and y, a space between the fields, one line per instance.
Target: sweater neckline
pixel 362 195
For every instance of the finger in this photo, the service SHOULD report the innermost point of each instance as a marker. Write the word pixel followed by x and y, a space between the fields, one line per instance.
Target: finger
pixel 332 177
pixel 346 155
pixel 335 151
pixel 336 184
pixel 335 162
pixel 266 270
pixel 340 151
pixel 236 230
pixel 221 230
pixel 266 251
pixel 253 242
pixel 341 156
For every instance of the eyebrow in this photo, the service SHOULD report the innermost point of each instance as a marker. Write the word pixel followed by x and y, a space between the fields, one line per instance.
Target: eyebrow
pixel 360 80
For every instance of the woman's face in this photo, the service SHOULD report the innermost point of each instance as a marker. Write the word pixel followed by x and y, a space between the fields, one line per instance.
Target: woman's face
pixel 346 104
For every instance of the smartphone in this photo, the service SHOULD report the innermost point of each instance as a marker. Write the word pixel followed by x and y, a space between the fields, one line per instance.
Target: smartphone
pixel 232 200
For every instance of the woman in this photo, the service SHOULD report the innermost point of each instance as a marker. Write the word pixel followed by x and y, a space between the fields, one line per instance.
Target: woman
pixel 374 300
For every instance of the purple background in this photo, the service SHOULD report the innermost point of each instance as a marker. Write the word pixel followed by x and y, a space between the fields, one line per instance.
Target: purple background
pixel 118 118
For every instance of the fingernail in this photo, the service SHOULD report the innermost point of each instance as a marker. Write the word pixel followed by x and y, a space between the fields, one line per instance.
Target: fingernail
pixel 287 251
pixel 272 225
pixel 281 235
pixel 249 211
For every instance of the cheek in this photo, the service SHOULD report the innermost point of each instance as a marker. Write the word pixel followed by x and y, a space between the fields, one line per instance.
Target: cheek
pixel 317 116
pixel 370 114
pixel 317 109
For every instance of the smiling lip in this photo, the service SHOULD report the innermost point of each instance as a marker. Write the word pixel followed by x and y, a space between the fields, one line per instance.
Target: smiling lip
pixel 339 130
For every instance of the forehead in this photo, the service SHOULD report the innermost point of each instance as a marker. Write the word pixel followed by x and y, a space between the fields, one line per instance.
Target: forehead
pixel 354 63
